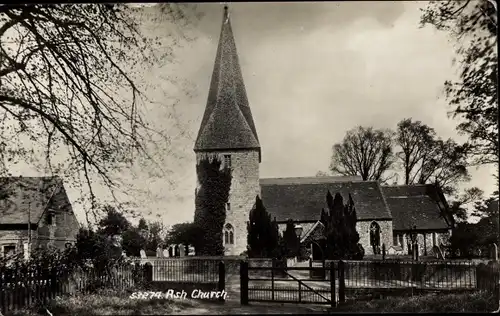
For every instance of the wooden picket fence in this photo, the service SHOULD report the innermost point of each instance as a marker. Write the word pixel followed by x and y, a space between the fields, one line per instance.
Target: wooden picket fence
pixel 28 286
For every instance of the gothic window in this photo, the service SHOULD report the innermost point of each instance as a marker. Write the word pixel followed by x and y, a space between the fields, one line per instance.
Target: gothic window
pixel 375 237
pixel 228 234
pixel 227 161
pixel 228 206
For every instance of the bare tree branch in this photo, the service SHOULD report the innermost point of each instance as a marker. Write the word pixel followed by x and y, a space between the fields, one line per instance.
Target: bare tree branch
pixel 363 152
pixel 67 84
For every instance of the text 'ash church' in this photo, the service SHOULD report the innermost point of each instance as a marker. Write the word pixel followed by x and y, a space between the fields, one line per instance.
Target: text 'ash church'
pixel 228 131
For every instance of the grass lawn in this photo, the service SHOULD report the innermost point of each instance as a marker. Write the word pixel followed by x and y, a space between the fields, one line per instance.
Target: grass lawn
pixel 431 303
pixel 119 303
pixel 114 303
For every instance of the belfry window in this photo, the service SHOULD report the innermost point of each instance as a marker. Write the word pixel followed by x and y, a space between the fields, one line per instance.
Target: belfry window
pixel 227 161
pixel 228 234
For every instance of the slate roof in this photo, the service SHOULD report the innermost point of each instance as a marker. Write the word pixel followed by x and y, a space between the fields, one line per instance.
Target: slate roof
pixel 309 180
pixel 406 190
pixel 413 205
pixel 26 193
pixel 227 122
pixel 302 200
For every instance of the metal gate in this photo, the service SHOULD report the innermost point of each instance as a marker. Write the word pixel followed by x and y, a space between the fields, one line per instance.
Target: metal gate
pixel 282 284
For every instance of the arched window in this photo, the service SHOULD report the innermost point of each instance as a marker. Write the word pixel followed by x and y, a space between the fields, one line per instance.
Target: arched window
pixel 228 234
pixel 375 237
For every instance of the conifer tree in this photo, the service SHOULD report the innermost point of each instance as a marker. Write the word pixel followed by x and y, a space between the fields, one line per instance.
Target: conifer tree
pixel 263 235
pixel 342 239
pixel 291 241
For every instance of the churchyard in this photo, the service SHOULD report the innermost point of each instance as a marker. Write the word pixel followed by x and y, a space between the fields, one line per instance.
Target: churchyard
pixel 250 284
pixel 386 229
pixel 270 274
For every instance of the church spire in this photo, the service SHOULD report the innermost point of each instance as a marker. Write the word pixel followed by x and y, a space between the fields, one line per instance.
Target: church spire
pixel 227 123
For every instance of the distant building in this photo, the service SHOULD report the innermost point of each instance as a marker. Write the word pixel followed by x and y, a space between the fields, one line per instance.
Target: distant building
pixel 35 212
pixel 385 214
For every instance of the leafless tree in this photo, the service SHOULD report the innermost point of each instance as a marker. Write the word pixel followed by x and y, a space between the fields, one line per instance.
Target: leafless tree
pixel 428 159
pixel 67 82
pixel 414 138
pixel 364 152
pixel 458 206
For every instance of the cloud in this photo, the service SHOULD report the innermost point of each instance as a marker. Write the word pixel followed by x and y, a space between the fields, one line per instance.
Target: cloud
pixel 312 72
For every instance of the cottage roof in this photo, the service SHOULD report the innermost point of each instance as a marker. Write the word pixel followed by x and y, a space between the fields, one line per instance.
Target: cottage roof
pixel 415 205
pixel 227 122
pixel 302 199
pixel 26 197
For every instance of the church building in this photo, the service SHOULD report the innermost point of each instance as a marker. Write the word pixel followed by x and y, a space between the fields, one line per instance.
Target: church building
pixel 387 215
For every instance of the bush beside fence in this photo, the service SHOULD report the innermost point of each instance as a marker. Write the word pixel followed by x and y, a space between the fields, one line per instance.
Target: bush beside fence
pixel 27 286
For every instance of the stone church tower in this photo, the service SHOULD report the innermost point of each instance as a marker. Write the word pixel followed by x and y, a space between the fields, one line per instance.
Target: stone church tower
pixel 228 131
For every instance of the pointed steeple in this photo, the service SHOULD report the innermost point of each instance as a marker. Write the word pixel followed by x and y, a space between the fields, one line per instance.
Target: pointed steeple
pixel 227 123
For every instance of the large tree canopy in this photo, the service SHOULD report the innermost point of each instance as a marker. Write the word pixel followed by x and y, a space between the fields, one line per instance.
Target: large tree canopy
pixel 364 152
pixel 69 78
pixel 426 158
pixel 473 24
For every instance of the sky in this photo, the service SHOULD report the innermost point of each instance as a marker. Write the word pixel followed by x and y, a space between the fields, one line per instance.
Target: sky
pixel 312 72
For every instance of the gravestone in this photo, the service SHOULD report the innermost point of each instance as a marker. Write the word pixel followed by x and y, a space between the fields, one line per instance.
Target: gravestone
pixel 165 253
pixel 159 253
pixel 182 251
pixel 143 254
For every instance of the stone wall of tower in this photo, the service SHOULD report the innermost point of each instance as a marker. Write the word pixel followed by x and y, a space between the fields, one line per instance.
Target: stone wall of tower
pixel 244 188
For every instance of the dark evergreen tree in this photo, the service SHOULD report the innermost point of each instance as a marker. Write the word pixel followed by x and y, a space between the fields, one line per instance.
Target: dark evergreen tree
pixel 143 225
pixel 210 201
pixel 263 236
pixel 324 217
pixel 276 247
pixel 133 241
pixel 342 239
pixel 291 241
pixel 355 250
pixel 183 233
pixel 113 223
